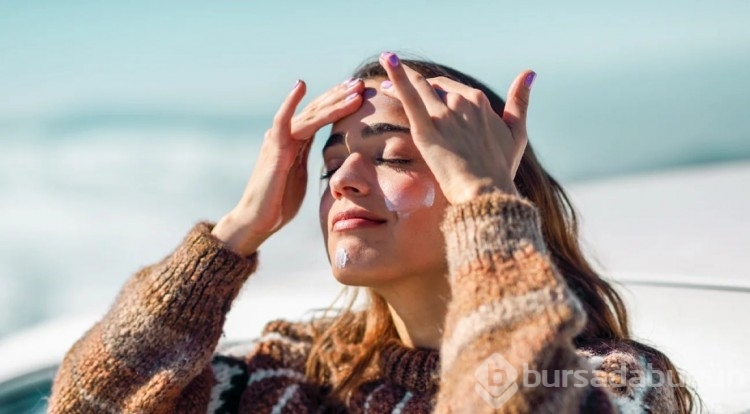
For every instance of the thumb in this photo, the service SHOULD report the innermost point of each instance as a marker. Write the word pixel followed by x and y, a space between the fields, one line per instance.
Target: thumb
pixel 517 106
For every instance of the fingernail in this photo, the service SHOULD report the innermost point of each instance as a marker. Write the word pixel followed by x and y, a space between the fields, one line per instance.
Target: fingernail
pixel 386 84
pixel 529 79
pixel 393 60
pixel 351 96
pixel 352 82
pixel 296 84
pixel 346 82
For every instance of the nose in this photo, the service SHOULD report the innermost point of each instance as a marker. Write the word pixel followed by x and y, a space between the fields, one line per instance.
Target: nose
pixel 350 180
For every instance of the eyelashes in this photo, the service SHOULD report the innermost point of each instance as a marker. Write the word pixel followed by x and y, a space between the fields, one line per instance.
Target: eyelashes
pixel 327 174
pixel 395 163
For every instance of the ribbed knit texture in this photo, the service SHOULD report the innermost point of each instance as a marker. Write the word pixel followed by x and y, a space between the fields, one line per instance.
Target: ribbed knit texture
pixel 154 352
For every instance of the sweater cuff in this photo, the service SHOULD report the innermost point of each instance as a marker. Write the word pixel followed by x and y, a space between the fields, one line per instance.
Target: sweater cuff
pixel 200 279
pixel 495 224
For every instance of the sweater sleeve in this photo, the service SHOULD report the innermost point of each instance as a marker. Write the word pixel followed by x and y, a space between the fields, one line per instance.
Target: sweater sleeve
pixel 511 313
pixel 152 350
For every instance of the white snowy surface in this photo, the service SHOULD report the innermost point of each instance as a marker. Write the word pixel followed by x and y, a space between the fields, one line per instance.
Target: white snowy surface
pixel 693 221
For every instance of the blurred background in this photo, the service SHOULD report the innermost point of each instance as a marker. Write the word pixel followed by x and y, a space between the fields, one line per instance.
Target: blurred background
pixel 123 123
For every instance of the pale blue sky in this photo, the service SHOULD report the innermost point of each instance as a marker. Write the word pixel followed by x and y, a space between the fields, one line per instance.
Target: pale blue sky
pixel 666 68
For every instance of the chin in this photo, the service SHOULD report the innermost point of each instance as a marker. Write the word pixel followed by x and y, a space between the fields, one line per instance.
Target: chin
pixel 363 274
pixel 360 277
pixel 352 257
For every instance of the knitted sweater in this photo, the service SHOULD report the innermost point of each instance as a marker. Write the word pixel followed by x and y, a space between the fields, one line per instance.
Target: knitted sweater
pixel 510 312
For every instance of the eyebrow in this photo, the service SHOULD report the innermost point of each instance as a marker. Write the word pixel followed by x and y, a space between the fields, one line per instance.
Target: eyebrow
pixel 368 131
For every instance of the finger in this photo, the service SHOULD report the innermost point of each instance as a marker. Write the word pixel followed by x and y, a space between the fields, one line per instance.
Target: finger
pixel 426 91
pixel 437 92
pixel 283 117
pixel 449 85
pixel 335 93
pixel 441 93
pixel 338 110
pixel 444 86
pixel 336 104
pixel 408 87
pixel 518 103
pixel 458 96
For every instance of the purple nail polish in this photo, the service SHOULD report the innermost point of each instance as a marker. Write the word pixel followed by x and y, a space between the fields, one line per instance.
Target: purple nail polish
pixel 529 79
pixel 346 82
pixel 393 60
pixel 352 82
pixel 351 96
pixel 386 84
pixel 296 84
pixel 369 93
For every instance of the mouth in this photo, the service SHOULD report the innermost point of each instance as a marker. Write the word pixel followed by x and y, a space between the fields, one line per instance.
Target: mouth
pixel 354 220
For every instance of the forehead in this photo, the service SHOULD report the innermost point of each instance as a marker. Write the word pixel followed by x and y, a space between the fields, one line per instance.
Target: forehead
pixel 376 107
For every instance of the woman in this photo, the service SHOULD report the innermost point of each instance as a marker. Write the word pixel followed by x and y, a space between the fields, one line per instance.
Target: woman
pixel 468 250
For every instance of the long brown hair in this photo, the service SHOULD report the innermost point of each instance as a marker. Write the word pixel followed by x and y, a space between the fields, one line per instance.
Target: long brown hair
pixel 345 348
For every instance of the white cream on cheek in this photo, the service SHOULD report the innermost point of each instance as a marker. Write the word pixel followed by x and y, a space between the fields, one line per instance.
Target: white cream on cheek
pixel 406 199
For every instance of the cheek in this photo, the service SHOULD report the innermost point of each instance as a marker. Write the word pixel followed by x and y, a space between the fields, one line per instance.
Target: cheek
pixel 405 195
pixel 326 202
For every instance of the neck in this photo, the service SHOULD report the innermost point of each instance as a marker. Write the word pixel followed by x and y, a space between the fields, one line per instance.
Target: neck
pixel 418 306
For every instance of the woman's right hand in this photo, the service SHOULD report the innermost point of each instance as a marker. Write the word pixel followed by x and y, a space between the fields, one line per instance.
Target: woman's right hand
pixel 276 188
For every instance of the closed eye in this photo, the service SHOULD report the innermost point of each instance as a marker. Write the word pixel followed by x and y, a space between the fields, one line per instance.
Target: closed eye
pixel 328 173
pixel 392 160
pixel 395 163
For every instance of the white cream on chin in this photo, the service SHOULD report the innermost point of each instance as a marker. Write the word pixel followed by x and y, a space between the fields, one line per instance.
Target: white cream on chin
pixel 342 257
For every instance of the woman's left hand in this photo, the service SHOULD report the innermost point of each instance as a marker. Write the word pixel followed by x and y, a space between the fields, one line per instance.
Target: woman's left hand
pixel 468 147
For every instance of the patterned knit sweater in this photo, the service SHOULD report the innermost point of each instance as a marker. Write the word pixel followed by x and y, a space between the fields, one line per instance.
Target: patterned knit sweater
pixel 510 312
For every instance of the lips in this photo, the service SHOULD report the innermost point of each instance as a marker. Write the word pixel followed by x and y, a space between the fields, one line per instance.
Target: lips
pixel 355 219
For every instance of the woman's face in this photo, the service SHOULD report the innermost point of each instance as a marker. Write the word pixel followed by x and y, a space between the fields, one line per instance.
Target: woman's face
pixel 381 210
